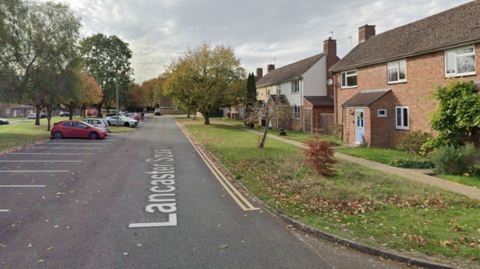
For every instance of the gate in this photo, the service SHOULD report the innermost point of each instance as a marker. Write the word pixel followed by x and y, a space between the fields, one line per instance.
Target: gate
pixel 326 122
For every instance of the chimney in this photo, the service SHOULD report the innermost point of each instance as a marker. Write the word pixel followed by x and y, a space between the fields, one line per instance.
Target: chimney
pixel 365 32
pixel 259 73
pixel 270 68
pixel 330 49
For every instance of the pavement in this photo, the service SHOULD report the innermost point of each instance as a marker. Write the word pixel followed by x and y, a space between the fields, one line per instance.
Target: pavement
pixel 415 175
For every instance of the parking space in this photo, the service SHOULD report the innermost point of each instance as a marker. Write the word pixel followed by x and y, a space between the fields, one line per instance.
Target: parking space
pixel 42 173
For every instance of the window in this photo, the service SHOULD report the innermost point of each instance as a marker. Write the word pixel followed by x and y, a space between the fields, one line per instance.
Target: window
pixel 296 112
pixel 279 89
pixel 268 90
pixel 397 71
pixel 401 116
pixel 382 113
pixel 295 86
pixel 68 124
pixel 349 79
pixel 460 61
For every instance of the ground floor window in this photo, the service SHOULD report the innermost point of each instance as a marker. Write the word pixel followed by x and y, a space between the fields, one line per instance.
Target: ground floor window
pixel 402 118
pixel 296 112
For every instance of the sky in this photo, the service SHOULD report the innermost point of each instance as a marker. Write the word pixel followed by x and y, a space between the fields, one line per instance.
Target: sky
pixel 261 32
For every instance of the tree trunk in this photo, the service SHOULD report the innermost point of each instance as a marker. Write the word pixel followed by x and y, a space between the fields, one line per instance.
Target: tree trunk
pixel 188 114
pixel 99 110
pixel 262 142
pixel 206 117
pixel 70 111
pixel 37 116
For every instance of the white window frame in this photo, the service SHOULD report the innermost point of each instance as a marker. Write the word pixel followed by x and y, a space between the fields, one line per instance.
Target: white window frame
pixel 345 73
pixel 381 115
pixel 279 89
pixel 295 86
pixel 296 112
pixel 268 91
pixel 396 65
pixel 455 51
pixel 402 126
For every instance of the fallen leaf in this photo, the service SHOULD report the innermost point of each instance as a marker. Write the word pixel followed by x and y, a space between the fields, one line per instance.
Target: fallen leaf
pixel 223 195
pixel 29 245
pixel 219 225
pixel 40 261
pixel 194 249
pixel 125 254
pixel 223 247
pixel 139 245
pixel 50 248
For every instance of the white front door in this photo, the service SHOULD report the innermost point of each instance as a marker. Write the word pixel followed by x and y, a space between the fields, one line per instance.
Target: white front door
pixel 14 113
pixel 359 125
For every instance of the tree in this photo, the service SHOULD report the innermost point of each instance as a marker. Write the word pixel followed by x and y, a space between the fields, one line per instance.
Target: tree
pixel 108 60
pixel 147 92
pixel 274 110
pixel 37 39
pixel 91 92
pixel 458 113
pixel 206 79
pixel 251 99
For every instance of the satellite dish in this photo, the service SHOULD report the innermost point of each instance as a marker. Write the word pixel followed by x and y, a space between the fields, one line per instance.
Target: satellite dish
pixel 329 82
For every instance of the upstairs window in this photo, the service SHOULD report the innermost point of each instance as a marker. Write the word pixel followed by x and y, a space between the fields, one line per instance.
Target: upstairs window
pixel 295 86
pixel 349 79
pixel 279 89
pixel 397 71
pixel 268 91
pixel 460 62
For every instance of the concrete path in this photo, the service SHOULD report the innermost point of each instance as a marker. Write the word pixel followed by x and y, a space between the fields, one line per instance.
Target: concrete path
pixel 468 191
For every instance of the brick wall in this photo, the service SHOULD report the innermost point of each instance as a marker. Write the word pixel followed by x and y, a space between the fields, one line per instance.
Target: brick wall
pixel 422 72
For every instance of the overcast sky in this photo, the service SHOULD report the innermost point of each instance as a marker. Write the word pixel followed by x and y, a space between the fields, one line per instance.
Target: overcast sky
pixel 259 30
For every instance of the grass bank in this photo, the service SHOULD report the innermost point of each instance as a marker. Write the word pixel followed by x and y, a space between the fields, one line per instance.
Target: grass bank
pixel 360 204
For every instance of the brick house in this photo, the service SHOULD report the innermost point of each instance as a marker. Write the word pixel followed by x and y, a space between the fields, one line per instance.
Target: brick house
pixel 307 78
pixel 382 84
pixel 15 110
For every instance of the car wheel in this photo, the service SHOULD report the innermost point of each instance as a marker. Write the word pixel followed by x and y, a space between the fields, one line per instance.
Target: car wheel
pixel 58 135
pixel 93 136
pixel 127 124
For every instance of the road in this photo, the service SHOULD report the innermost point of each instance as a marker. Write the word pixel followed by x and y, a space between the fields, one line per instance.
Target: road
pixel 144 199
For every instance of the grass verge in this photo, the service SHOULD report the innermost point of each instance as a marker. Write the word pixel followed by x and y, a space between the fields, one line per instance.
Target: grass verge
pixel 360 204
pixel 23 133
pixel 120 129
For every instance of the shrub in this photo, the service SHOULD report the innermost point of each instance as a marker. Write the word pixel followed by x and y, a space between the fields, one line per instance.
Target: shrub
pixel 413 143
pixel 319 156
pixel 455 161
pixel 414 164
pixel 336 130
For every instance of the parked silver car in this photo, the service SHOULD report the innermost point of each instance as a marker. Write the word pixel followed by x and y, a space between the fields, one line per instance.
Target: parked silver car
pixel 122 121
pixel 100 123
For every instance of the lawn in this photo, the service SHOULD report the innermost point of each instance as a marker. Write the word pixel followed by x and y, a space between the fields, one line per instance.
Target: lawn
pixel 384 156
pixel 298 136
pixel 360 204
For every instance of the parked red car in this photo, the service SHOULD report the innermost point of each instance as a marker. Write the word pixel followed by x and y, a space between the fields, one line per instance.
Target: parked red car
pixel 135 116
pixel 92 113
pixel 76 129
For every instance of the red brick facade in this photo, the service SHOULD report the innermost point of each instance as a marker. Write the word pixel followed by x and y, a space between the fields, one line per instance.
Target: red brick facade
pixel 422 73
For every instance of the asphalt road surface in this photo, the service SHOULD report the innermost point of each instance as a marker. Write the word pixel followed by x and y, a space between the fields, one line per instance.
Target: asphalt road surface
pixel 145 199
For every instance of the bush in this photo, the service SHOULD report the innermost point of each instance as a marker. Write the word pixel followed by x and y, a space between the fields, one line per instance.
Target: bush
pixel 319 156
pixel 413 164
pixel 455 161
pixel 413 143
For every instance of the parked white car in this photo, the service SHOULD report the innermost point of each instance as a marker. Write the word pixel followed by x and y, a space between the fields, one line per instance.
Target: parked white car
pixel 122 121
pixel 100 123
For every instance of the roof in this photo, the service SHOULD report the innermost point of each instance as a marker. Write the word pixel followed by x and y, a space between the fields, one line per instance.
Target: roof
pixel 289 72
pixel 454 27
pixel 317 101
pixel 365 98
pixel 278 99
